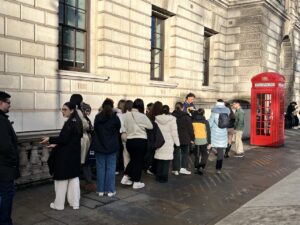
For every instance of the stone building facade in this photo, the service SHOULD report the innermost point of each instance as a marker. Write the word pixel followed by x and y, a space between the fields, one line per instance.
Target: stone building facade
pixel 152 49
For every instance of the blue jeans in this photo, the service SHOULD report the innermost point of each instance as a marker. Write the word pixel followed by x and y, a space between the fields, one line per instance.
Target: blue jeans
pixel 7 192
pixel 106 168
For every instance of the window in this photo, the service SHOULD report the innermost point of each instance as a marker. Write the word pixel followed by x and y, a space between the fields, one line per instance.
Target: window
pixel 72 35
pixel 157 46
pixel 206 52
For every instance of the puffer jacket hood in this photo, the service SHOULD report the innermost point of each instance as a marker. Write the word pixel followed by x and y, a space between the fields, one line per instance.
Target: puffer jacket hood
pixel 164 119
pixel 220 108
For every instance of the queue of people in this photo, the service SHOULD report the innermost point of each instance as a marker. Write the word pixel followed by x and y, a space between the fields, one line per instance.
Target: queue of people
pixel 123 139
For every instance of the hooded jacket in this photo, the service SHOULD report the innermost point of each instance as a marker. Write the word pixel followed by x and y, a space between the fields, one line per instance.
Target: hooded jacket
pixel 201 130
pixel 168 127
pixel 184 126
pixel 219 137
pixel 106 135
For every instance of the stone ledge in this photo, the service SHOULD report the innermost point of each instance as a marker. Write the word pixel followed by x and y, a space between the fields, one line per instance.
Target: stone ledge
pixel 32 136
pixel 163 84
pixel 81 76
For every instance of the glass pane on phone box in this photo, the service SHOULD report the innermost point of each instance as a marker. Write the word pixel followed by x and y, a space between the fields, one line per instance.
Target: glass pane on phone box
pixel 81 20
pixel 81 4
pixel 71 2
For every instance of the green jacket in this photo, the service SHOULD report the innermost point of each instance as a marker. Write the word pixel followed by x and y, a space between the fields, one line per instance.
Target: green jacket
pixel 239 123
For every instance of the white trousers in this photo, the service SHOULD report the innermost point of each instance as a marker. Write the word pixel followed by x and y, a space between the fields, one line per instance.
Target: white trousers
pixel 126 157
pixel 71 188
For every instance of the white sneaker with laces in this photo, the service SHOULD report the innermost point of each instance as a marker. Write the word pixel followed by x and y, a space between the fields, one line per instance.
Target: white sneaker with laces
pixel 184 171
pixel 137 185
pixel 52 206
pixel 111 194
pixel 125 180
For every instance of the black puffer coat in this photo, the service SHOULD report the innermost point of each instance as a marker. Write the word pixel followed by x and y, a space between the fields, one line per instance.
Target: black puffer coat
pixel 67 151
pixel 185 127
pixel 106 133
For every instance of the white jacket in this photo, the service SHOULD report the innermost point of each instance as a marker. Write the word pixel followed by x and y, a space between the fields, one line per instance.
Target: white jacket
pixel 135 124
pixel 168 127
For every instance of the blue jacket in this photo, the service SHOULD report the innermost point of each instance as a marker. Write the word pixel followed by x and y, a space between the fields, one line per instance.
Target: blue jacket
pixel 106 134
pixel 219 137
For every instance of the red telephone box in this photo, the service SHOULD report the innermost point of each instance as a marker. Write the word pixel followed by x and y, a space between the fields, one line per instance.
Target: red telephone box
pixel 267 109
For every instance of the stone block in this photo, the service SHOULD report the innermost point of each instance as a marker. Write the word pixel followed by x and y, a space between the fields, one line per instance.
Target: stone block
pixel 141 6
pixel 47 4
pixel 248 54
pixel 28 2
pixel 1 25
pixel 32 14
pixel 249 37
pixel 2 62
pixel 46 67
pixel 141 30
pixel 46 35
pixel 102 88
pixel 20 29
pixel 32 83
pixel 251 45
pixel 22 100
pixel 81 86
pixel 120 11
pixel 9 45
pixel 51 19
pixel 23 65
pixel 251 11
pixel 51 52
pixel 247 20
pixel 32 49
pixel 47 101
pixel 9 81
pixel 250 62
pixel 57 85
pixel 10 8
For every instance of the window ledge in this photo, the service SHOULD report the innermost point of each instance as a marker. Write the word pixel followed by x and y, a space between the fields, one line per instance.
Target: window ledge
pixel 163 84
pixel 81 76
pixel 209 88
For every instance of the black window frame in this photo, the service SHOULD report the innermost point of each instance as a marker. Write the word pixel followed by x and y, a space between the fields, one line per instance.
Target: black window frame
pixel 154 48
pixel 208 33
pixel 63 26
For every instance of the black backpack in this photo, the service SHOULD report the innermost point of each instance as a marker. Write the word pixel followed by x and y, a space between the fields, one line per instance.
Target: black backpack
pixel 224 121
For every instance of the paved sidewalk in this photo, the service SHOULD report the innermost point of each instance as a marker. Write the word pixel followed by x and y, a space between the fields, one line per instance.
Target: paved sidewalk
pixel 280 204
pixel 184 200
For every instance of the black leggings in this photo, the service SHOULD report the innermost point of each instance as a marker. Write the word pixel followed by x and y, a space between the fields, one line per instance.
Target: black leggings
pixel 136 148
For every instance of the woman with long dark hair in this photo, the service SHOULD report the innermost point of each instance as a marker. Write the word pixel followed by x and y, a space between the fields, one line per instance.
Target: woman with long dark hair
pixel 106 144
pixel 66 168
pixel 136 123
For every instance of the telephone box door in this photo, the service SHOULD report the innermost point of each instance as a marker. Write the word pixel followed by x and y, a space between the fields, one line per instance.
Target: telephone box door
pixel 264 116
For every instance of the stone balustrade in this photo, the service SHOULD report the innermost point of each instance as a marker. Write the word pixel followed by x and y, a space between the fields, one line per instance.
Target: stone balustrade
pixel 33 156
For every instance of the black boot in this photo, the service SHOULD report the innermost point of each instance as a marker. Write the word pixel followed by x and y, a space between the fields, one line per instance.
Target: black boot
pixel 227 151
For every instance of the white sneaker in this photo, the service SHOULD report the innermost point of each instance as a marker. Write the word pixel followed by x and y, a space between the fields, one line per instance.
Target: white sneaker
pixel 125 180
pixel 101 194
pixel 174 172
pixel 184 171
pixel 52 206
pixel 111 194
pixel 149 172
pixel 137 185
